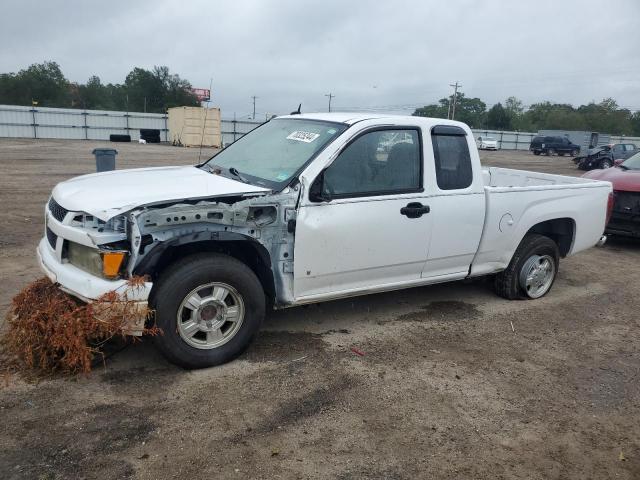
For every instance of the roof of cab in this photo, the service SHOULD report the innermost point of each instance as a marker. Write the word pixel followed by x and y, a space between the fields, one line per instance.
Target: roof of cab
pixel 350 118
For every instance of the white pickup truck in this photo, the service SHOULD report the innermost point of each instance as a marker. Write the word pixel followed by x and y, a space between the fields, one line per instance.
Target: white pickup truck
pixel 308 208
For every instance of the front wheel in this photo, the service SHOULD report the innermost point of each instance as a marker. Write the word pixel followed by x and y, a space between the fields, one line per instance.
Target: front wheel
pixel 532 269
pixel 550 152
pixel 209 307
pixel 574 153
pixel 606 163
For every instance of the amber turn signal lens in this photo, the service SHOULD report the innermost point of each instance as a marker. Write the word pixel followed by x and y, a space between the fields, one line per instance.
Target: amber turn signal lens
pixel 111 263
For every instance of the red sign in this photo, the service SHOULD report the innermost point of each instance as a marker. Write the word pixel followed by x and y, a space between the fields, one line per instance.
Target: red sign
pixel 202 94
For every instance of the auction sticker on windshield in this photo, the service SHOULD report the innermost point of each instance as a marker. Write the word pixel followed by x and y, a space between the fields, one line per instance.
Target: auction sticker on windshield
pixel 300 136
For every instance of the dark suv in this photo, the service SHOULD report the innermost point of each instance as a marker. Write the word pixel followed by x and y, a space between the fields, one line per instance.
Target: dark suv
pixel 552 145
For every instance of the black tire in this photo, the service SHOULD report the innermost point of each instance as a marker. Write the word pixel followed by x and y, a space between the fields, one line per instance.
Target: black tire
pixel 119 138
pixel 606 163
pixel 550 151
pixel 179 280
pixel 536 152
pixel 574 153
pixel 507 282
pixel 561 154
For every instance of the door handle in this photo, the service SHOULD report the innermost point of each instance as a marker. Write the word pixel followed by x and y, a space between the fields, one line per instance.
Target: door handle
pixel 414 210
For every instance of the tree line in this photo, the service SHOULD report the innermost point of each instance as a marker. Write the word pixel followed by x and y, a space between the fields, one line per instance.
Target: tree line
pixel 45 85
pixel 606 116
pixel 157 89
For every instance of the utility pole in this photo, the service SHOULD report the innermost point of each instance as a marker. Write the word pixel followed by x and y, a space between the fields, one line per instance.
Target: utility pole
pixel 455 99
pixel 330 95
pixel 254 107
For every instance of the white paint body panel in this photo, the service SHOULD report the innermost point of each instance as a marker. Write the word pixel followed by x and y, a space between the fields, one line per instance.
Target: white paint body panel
pixel 340 247
pixel 354 244
pixel 530 198
pixel 107 194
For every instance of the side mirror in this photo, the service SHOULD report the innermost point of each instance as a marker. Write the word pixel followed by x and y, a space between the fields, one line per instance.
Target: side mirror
pixel 317 192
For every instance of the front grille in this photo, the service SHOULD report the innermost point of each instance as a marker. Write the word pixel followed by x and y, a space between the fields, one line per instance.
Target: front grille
pixel 627 203
pixel 52 238
pixel 57 211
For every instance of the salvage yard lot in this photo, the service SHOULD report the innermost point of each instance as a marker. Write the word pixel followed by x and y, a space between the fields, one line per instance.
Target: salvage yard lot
pixel 445 389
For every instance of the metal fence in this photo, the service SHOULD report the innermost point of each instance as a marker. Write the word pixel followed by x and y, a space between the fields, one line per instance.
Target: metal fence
pixel 66 123
pixel 521 140
pixel 74 124
pixel 232 130
pixel 507 140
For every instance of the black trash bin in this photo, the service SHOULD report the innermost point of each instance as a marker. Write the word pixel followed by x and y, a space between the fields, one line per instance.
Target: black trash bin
pixel 105 159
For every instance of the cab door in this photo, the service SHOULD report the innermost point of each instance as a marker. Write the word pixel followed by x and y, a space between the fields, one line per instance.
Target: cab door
pixel 365 221
pixel 457 206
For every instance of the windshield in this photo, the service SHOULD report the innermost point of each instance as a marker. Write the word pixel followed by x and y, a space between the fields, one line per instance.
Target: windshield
pixel 273 153
pixel 633 162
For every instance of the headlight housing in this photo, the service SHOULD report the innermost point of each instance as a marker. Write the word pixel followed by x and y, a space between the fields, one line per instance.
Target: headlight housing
pixel 101 263
pixel 115 224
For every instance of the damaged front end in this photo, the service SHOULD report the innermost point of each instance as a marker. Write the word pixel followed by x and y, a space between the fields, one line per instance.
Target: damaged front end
pixel 259 229
pixel 88 256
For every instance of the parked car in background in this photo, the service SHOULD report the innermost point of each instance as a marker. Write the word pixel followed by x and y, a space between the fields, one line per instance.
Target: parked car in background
pixel 553 145
pixel 606 156
pixel 487 143
pixel 599 157
pixel 622 151
pixel 625 216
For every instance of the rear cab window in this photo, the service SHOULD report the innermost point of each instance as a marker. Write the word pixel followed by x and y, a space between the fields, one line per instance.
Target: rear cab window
pixel 452 158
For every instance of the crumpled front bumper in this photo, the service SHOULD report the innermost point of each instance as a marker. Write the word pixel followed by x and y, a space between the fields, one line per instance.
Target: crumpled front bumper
pixel 87 287
pixel 81 284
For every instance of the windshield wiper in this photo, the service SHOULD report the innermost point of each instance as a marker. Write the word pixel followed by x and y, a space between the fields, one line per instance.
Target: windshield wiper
pixel 234 171
pixel 212 168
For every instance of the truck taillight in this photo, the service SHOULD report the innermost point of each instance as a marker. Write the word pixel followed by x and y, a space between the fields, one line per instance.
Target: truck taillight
pixel 610 202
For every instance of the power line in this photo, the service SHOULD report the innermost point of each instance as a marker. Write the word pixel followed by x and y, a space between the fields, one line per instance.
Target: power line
pixel 254 107
pixel 455 99
pixel 330 95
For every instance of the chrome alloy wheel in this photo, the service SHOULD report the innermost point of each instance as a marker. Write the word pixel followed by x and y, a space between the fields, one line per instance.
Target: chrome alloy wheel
pixel 537 275
pixel 210 315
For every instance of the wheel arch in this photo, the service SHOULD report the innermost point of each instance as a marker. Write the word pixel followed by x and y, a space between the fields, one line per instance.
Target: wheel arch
pixel 561 230
pixel 241 247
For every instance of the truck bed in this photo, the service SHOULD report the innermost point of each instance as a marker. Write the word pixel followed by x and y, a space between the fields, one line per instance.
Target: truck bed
pixel 517 199
pixel 500 178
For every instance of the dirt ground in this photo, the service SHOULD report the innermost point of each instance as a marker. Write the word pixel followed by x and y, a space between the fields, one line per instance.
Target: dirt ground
pixel 446 388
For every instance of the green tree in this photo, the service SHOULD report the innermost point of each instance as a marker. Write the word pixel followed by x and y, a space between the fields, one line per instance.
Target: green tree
pixel 635 124
pixel 471 111
pixel 498 118
pixel 432 111
pixel 43 83
pixel 156 90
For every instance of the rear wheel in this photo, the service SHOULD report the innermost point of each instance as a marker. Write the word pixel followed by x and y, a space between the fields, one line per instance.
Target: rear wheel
pixel 536 152
pixel 209 307
pixel 574 153
pixel 550 152
pixel 532 269
pixel 561 154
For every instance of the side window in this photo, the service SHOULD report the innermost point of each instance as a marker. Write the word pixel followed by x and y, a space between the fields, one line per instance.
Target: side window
pixel 618 148
pixel 377 163
pixel 452 158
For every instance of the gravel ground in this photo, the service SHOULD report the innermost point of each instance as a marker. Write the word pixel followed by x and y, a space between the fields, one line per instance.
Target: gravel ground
pixel 446 388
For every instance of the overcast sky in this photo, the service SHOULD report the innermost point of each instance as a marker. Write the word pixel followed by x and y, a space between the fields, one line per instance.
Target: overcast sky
pixel 382 55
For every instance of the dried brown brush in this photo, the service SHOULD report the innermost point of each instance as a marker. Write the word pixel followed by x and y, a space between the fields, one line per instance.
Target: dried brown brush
pixel 49 331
